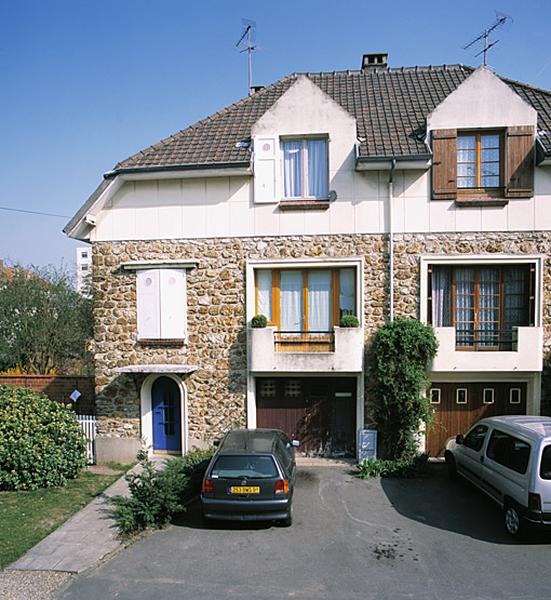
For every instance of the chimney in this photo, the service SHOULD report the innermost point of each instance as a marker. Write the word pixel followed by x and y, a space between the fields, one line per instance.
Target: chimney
pixel 375 60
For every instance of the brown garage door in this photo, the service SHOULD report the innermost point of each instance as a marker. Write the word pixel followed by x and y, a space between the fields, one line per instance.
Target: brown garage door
pixel 458 405
pixel 320 412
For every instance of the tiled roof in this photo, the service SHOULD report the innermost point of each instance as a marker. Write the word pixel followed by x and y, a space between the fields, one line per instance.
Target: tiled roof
pixel 390 106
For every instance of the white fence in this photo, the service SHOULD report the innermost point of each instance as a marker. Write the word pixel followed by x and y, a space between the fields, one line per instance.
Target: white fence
pixel 88 426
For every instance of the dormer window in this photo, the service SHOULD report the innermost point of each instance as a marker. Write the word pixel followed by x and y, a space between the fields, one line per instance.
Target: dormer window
pixel 479 161
pixel 305 169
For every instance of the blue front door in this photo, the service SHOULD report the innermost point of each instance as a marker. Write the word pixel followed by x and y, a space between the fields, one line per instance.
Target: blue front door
pixel 165 405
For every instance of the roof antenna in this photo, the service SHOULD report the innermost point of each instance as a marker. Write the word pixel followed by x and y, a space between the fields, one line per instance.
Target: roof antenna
pixel 501 19
pixel 248 36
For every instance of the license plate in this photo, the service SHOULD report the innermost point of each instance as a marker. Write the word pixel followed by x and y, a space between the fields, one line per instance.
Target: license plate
pixel 251 489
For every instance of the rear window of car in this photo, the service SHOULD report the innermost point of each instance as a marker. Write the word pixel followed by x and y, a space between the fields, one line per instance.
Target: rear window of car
pixel 545 466
pixel 508 451
pixel 257 467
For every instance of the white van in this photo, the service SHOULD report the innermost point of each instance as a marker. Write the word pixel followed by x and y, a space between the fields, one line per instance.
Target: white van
pixel 508 458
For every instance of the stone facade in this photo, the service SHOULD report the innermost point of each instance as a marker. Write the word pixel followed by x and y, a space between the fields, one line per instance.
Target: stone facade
pixel 216 340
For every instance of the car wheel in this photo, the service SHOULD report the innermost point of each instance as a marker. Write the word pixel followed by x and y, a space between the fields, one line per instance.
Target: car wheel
pixel 452 467
pixel 513 521
pixel 288 521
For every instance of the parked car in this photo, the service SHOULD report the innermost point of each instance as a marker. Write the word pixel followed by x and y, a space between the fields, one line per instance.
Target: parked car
pixel 509 458
pixel 251 477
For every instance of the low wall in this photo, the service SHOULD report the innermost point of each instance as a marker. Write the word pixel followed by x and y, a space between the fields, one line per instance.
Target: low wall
pixel 59 388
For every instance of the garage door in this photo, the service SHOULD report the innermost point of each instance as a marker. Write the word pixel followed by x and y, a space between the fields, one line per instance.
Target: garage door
pixel 458 405
pixel 320 412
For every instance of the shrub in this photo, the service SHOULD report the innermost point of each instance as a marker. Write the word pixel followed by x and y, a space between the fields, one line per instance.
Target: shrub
pixel 398 362
pixel 259 321
pixel 41 443
pixel 349 321
pixel 400 468
pixel 157 495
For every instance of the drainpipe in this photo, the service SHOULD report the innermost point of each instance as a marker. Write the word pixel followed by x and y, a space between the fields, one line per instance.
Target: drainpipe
pixel 391 235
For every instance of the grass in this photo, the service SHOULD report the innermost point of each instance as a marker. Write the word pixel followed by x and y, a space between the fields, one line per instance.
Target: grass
pixel 28 517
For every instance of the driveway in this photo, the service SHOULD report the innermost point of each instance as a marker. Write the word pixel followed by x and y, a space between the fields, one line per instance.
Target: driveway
pixel 352 539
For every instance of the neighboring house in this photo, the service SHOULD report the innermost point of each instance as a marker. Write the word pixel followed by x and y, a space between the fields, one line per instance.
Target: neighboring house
pixel 421 191
pixel 84 269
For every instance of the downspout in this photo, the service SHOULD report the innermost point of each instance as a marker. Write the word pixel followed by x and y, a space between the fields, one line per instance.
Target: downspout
pixel 391 235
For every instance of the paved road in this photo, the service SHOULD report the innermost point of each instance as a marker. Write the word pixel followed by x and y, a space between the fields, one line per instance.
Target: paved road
pixel 351 539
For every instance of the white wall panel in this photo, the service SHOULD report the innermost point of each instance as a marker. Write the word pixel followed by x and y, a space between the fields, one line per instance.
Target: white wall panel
pixel 441 215
pixel 495 218
pixel 416 213
pixel 521 215
pixel 292 222
pixel 367 216
pixel 266 220
pixel 341 217
pixel 468 219
pixel 147 223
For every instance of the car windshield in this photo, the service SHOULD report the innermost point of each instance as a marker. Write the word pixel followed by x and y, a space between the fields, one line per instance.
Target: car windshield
pixel 257 467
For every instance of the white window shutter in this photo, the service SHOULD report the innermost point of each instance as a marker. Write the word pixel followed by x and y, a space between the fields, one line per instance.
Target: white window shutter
pixel 173 304
pixel 149 321
pixel 265 166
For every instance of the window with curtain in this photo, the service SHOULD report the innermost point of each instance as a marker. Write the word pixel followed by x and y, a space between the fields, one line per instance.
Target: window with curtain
pixel 305 300
pixel 478 160
pixel 484 303
pixel 305 168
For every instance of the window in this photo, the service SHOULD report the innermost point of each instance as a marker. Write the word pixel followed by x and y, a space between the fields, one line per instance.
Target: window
pixel 514 396
pixel 84 254
pixel 545 466
pixel 484 303
pixel 479 161
pixel 508 451
pixel 305 300
pixel 305 169
pixel 475 438
pixel 435 395
pixel 461 396
pixel 161 304
pixel 488 396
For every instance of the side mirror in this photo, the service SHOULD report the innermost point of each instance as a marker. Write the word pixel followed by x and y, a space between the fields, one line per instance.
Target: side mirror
pixel 216 443
pixel 295 443
pixel 459 439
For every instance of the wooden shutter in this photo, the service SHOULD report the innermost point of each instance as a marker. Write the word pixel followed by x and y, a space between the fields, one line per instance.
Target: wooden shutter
pixel 265 170
pixel 173 304
pixel 519 157
pixel 444 164
pixel 149 322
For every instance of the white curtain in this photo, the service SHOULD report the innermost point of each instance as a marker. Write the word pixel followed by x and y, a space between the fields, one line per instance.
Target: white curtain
pixel 292 167
pixel 264 283
pixel 346 292
pixel 489 307
pixel 441 297
pixel 317 168
pixel 319 301
pixel 290 297
pixel 464 307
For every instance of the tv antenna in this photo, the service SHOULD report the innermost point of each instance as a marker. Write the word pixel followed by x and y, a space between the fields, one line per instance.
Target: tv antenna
pixel 247 40
pixel 501 19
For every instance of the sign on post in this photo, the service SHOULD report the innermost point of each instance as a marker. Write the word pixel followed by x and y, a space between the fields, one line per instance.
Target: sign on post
pixel 367 444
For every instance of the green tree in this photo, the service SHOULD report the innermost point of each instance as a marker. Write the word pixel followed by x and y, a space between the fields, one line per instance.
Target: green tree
pixel 399 359
pixel 45 325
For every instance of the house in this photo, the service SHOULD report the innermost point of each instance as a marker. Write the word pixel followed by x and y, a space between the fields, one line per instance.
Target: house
pixel 418 191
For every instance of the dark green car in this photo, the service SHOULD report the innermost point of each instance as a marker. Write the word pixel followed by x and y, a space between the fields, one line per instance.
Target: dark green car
pixel 251 477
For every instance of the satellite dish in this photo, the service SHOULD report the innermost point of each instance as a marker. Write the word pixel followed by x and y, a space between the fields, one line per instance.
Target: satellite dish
pixel 332 195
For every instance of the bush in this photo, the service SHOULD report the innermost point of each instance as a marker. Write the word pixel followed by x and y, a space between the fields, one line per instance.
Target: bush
pixel 400 468
pixel 259 321
pixel 349 321
pixel 399 359
pixel 157 495
pixel 41 443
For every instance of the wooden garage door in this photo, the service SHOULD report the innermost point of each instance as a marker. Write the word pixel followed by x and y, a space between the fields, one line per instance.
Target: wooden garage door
pixel 320 412
pixel 458 405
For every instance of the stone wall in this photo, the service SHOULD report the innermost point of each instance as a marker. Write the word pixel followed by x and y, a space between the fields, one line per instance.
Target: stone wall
pixel 216 310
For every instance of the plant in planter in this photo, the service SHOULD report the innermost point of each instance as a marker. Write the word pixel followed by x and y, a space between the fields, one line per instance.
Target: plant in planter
pixel 259 321
pixel 349 321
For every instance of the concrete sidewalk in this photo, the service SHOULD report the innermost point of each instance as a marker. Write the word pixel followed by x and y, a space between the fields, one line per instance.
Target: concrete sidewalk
pixel 81 542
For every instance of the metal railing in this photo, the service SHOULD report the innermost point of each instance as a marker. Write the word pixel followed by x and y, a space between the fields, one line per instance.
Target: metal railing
pixel 497 340
pixel 304 341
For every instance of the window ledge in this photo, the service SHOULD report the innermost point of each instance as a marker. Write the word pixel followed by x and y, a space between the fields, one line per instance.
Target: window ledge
pixel 304 204
pixel 159 342
pixel 476 202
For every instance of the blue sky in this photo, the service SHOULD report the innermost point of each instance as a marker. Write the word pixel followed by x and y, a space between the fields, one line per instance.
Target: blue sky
pixel 87 83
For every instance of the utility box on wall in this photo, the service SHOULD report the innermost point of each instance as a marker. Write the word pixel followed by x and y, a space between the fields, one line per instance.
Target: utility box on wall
pixel 367 444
